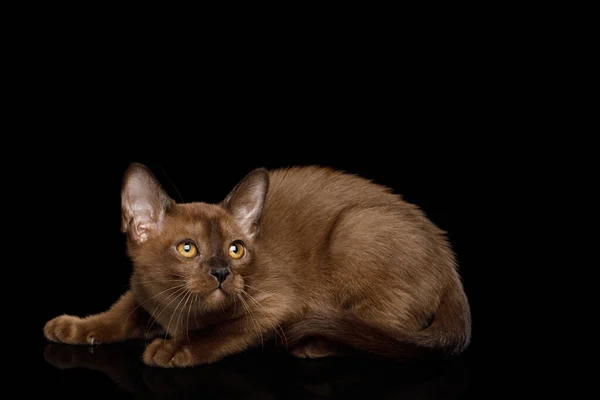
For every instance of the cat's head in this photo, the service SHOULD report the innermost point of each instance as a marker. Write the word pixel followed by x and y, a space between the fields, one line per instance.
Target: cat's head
pixel 197 250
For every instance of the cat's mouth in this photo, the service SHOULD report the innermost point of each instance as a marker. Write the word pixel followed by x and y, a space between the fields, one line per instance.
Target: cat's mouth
pixel 230 286
pixel 217 292
pixel 220 290
pixel 224 288
pixel 210 292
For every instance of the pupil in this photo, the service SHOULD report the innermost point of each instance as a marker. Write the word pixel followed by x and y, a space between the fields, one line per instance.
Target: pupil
pixel 234 248
pixel 187 247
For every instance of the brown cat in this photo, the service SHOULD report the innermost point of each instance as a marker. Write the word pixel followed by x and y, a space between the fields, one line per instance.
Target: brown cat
pixel 316 259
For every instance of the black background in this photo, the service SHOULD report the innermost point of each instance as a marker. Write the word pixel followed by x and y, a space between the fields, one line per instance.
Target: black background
pixel 438 121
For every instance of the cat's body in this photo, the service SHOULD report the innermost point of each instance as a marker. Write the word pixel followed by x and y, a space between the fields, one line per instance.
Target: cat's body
pixel 324 258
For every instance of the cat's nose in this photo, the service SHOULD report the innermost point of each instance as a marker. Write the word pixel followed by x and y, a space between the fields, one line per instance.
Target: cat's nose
pixel 220 273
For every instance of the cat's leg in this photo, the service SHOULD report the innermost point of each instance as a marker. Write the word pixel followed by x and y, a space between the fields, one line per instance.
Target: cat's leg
pixel 124 320
pixel 227 338
pixel 317 348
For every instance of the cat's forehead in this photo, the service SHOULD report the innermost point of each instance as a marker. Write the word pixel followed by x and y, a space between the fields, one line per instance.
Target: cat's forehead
pixel 199 210
pixel 200 218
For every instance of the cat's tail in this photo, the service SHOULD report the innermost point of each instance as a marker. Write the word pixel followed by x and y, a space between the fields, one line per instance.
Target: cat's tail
pixel 448 334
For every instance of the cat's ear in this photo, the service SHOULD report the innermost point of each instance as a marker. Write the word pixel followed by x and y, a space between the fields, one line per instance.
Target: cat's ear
pixel 143 203
pixel 245 202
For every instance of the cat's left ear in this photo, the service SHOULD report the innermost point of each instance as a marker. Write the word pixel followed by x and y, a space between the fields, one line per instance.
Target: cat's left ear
pixel 245 202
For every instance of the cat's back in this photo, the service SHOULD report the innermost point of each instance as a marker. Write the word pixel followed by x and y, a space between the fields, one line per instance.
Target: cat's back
pixel 317 188
pixel 305 201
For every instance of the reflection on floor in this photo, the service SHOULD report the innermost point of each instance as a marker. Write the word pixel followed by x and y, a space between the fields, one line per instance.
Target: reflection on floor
pixel 258 374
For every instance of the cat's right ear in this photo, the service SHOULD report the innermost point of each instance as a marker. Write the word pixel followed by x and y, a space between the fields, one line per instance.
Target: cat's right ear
pixel 143 203
pixel 245 202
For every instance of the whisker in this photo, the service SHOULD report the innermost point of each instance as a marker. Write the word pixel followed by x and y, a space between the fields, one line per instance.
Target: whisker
pixel 173 314
pixel 187 325
pixel 147 300
pixel 173 274
pixel 276 327
pixel 254 322
pixel 181 315
pixel 222 309
pixel 179 293
pixel 196 313
pixel 255 288
pixel 172 184
pixel 152 319
pixel 159 281
pixel 251 316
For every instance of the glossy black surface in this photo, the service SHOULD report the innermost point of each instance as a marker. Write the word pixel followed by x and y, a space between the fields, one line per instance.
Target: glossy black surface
pixel 116 371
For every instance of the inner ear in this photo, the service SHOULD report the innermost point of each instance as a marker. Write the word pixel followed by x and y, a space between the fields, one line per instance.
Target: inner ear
pixel 246 201
pixel 143 203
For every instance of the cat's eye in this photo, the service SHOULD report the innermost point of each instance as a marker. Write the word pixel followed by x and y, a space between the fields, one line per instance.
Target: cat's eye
pixel 187 249
pixel 236 250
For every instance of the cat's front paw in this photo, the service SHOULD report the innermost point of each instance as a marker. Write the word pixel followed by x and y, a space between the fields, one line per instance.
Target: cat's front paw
pixel 168 354
pixel 72 330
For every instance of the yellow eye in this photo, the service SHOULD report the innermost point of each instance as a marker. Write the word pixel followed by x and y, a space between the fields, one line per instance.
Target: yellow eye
pixel 236 250
pixel 187 249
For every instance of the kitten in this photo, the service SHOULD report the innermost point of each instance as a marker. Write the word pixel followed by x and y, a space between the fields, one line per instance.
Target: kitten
pixel 319 260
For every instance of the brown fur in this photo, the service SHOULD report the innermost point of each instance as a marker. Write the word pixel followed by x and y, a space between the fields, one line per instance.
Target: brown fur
pixel 332 261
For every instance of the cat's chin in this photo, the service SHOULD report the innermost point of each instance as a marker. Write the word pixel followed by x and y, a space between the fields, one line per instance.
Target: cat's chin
pixel 218 298
pixel 218 295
